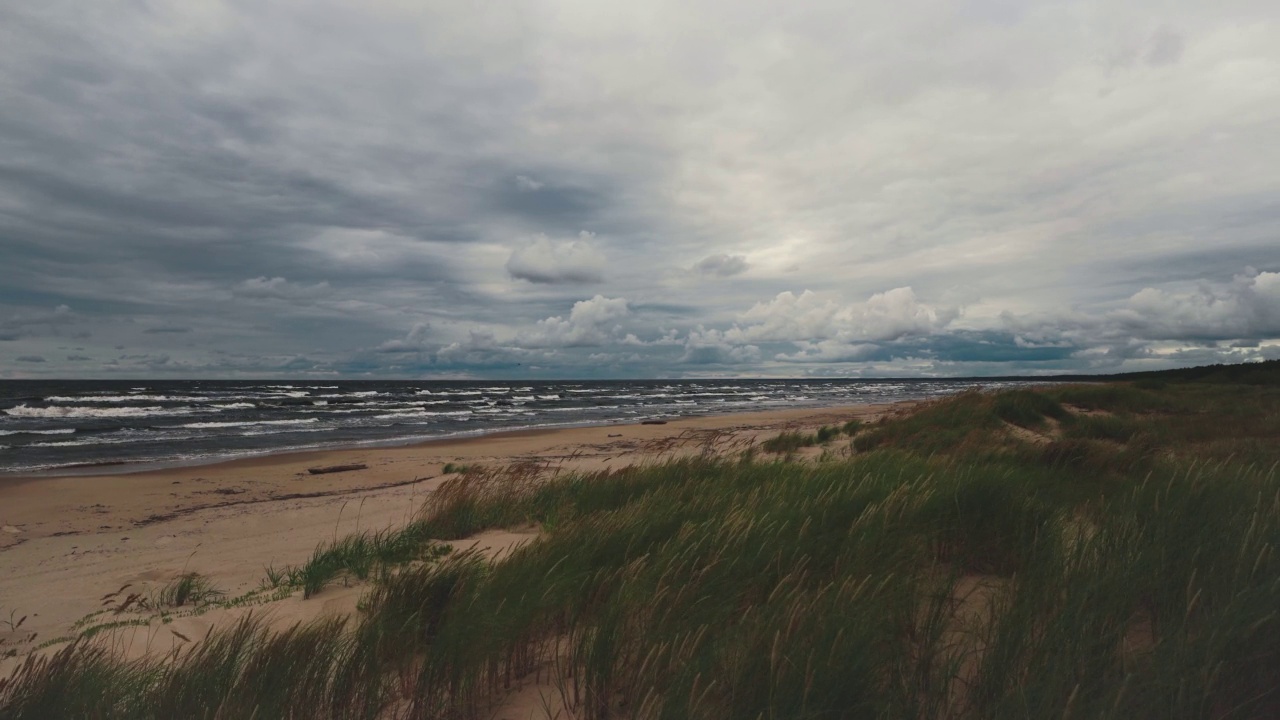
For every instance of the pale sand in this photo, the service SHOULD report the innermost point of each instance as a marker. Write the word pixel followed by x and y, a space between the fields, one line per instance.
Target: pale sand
pixel 66 542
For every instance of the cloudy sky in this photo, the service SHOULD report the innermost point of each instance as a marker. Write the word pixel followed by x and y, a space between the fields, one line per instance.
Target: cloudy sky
pixel 267 188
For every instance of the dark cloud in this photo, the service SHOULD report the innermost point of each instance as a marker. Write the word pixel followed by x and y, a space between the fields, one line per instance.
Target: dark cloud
pixel 30 359
pixel 418 189
pixel 414 341
pixel 721 265
pixel 278 287
pixel 554 209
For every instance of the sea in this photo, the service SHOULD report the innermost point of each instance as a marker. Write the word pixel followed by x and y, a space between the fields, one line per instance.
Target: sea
pixel 97 426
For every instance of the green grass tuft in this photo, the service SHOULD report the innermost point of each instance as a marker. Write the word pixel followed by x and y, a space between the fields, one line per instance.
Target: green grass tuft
pixel 189 588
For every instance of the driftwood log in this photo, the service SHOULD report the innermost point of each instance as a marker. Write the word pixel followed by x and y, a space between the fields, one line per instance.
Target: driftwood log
pixel 335 468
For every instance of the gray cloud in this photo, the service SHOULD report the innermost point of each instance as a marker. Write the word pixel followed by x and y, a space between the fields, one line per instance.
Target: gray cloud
pixel 544 260
pixel 278 287
pixel 413 341
pixel 1166 47
pixel 722 265
pixel 975 187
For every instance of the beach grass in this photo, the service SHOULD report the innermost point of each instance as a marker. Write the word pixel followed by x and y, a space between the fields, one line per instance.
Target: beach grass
pixel 189 588
pixel 1081 551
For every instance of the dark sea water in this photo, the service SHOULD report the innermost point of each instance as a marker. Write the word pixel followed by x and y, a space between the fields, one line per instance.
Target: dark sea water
pixel 76 426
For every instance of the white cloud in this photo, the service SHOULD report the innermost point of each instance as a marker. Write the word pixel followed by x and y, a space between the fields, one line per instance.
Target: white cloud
pixel 808 317
pixel 591 322
pixel 1247 307
pixel 558 261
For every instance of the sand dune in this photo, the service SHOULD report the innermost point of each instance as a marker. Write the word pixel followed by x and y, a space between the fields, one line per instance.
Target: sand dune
pixel 67 542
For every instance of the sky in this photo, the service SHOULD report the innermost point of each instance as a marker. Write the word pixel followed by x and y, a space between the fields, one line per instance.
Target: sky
pixel 417 189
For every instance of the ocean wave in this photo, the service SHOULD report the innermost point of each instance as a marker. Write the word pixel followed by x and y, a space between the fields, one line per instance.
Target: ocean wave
pixel 110 440
pixel 248 423
pixel 235 406
pixel 123 398
pixel 61 431
pixel 405 412
pixel 292 430
pixel 92 412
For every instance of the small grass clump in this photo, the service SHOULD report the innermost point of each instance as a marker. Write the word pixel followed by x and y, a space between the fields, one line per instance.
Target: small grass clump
pixel 1027 408
pixel 189 588
pixel 788 442
pixel 359 555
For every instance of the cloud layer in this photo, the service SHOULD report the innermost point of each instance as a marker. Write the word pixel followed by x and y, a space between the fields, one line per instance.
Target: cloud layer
pixel 557 189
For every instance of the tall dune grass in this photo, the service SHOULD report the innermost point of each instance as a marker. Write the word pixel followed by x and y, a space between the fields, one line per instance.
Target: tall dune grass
pixel 1121 564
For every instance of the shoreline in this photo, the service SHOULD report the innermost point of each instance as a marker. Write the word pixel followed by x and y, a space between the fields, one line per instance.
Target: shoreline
pixel 126 467
pixel 65 541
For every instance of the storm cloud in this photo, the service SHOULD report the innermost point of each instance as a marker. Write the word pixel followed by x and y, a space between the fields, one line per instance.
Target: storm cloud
pixel 220 189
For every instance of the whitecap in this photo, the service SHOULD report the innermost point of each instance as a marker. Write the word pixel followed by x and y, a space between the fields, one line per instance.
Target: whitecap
pixel 91 412
pixel 248 423
pixel 122 398
pixel 61 431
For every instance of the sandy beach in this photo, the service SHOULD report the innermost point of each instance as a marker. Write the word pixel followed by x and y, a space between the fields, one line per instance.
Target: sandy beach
pixel 66 542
